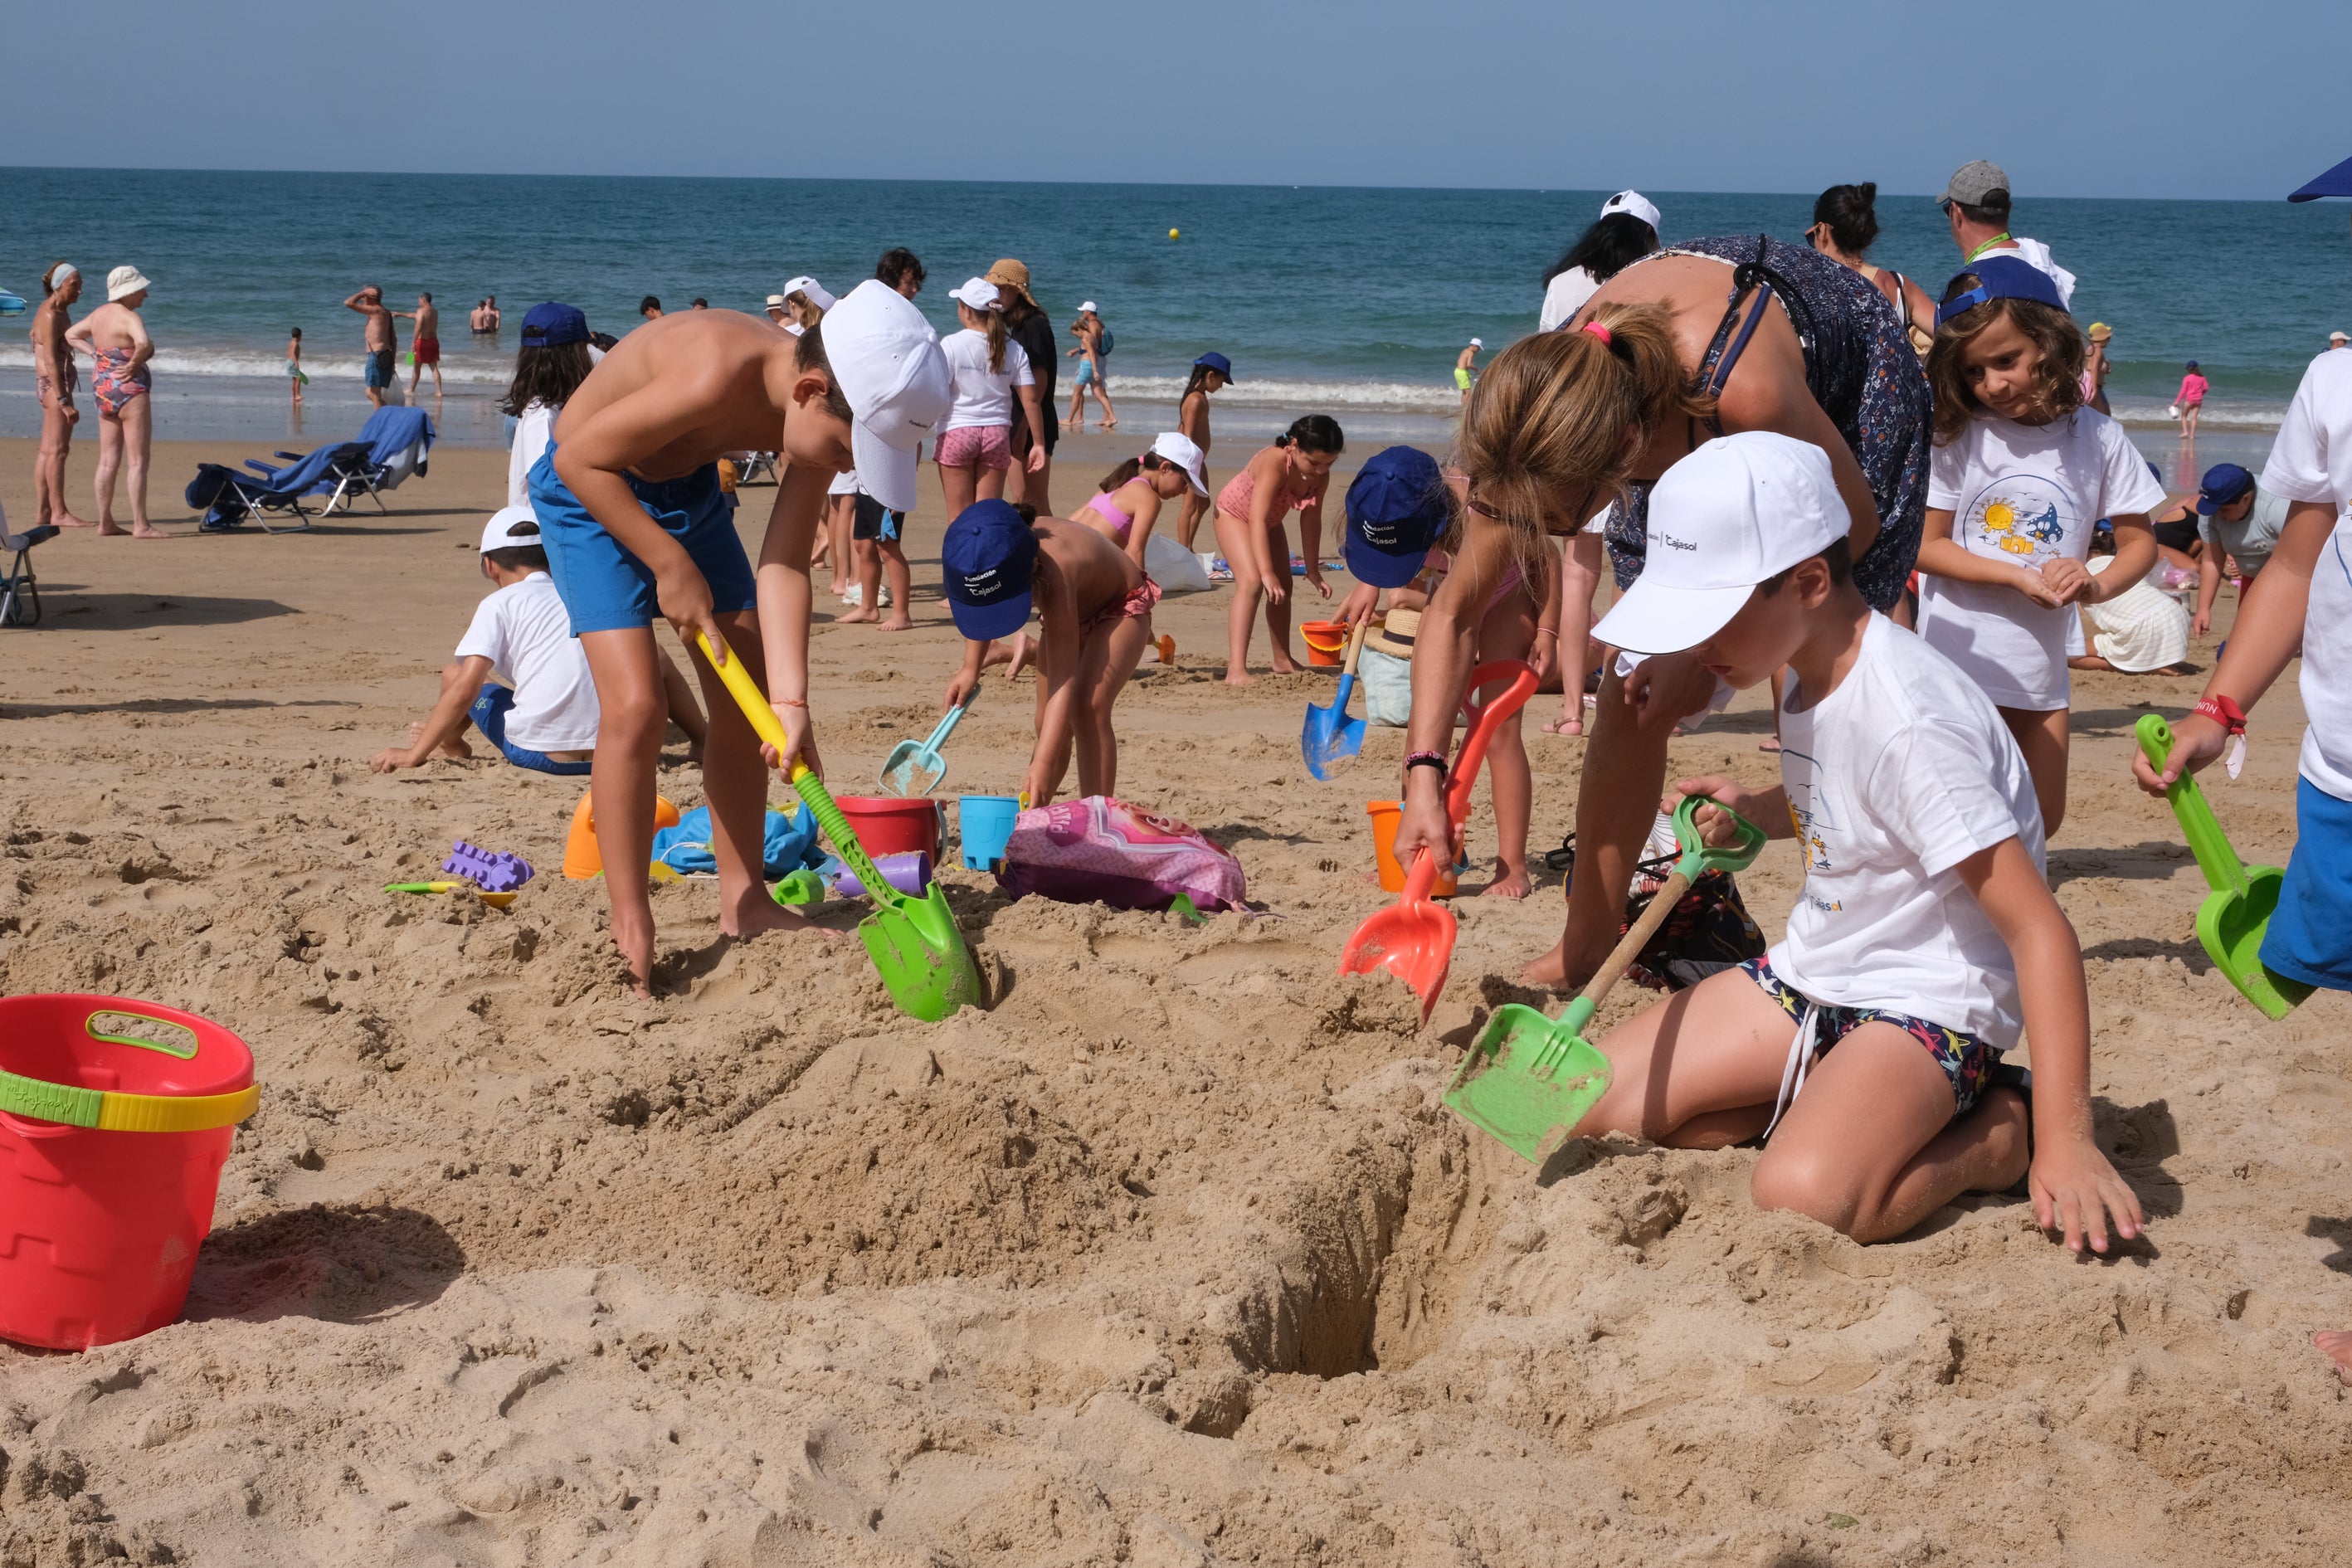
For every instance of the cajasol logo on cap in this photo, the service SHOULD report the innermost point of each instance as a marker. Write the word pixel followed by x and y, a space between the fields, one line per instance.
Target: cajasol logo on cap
pixel 1379 535
pixel 983 585
pixel 1670 542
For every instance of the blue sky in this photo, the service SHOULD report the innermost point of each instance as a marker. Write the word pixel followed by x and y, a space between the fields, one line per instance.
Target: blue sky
pixel 2160 97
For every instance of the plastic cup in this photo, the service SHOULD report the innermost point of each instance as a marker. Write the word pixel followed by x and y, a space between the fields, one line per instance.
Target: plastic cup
pixel 986 822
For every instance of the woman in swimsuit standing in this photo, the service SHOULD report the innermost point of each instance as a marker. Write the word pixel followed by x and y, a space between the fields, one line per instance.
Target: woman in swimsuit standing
pixel 117 339
pixel 1291 474
pixel 55 379
pixel 1567 423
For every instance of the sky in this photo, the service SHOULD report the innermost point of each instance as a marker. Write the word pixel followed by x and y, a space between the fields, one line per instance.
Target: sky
pixel 2075 98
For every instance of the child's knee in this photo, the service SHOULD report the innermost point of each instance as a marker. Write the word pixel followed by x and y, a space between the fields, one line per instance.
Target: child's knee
pixel 1805 1182
pixel 634 717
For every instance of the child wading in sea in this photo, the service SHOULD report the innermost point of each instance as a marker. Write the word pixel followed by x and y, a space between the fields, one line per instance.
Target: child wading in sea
pixel 1293 473
pixel 2022 472
pixel 2191 400
pixel 1867 1043
pixel 1126 502
pixel 1212 374
pixel 2302 602
pixel 1094 610
pixel 294 378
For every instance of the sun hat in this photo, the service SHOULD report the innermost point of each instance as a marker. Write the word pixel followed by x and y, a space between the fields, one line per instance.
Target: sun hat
pixel 775 303
pixel 1185 453
pixel 977 292
pixel 1088 309
pixel 1971 183
pixel 889 367
pixel 124 281
pixel 1218 362
pixel 813 291
pixel 2223 485
pixel 2000 277
pixel 1734 513
pixel 547 325
pixel 1396 510
pixel 1011 274
pixel 1477 343
pixel 987 563
pixel 506 528
pixel 1634 203
pixel 2339 337
pixel 2100 332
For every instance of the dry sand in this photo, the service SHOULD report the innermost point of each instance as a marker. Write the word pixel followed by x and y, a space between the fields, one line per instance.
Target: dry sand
pixel 1170 1258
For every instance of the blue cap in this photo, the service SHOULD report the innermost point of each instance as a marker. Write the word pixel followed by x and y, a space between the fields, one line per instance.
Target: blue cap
pixel 1218 363
pixel 2224 483
pixel 1396 510
pixel 2001 277
pixel 987 561
pixel 545 326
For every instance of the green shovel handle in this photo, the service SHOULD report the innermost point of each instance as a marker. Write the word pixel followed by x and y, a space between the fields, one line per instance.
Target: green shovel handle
pixel 1699 858
pixel 2225 872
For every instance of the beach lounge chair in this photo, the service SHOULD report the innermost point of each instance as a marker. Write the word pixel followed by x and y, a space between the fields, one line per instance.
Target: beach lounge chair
pixel 229 496
pixel 390 446
pixel 20 596
pixel 399 442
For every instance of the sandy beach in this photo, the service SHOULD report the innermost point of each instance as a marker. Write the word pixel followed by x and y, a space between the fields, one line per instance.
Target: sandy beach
pixel 1170 1258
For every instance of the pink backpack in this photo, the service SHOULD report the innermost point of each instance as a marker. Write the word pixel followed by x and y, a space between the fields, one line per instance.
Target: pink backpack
pixel 1102 849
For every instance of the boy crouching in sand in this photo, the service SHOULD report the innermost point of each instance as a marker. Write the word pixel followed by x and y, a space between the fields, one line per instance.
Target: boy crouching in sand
pixel 545 719
pixel 1094 610
pixel 1867 1044
pixel 629 506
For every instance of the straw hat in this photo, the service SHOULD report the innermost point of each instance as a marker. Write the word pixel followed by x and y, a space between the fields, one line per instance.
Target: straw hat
pixel 1010 274
pixel 2099 333
pixel 1394 633
pixel 125 282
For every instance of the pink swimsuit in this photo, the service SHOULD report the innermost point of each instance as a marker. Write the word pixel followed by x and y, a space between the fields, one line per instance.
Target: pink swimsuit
pixel 1241 490
pixel 1103 507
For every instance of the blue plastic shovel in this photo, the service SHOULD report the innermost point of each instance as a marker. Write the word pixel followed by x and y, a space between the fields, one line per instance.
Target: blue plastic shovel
pixel 912 770
pixel 1331 740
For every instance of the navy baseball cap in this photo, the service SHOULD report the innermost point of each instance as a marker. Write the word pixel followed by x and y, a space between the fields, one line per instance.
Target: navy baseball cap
pixel 1218 363
pixel 2001 277
pixel 1396 510
pixel 2224 483
pixel 545 326
pixel 988 560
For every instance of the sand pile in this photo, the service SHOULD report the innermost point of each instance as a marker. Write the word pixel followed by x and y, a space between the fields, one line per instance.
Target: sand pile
pixel 1170 1258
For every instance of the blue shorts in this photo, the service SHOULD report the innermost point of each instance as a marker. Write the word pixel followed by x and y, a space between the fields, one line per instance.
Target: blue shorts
pixel 489 715
pixel 2310 934
pixel 1085 372
pixel 606 589
pixel 378 369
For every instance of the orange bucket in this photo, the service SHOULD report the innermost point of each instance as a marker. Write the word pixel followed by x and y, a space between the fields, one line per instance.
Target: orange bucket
pixel 1384 814
pixel 1327 643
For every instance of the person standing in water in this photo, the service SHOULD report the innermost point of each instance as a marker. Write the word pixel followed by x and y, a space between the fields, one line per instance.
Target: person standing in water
pixel 1466 365
pixel 2191 401
pixel 369 302
pixel 117 339
pixel 55 379
pixel 1093 354
pixel 295 379
pixel 425 346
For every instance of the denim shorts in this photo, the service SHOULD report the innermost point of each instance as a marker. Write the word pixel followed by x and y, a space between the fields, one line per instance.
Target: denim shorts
pixel 1967 1061
pixel 606 589
pixel 489 715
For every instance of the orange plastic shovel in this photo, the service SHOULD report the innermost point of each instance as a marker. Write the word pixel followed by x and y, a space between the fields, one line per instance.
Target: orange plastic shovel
pixel 1414 941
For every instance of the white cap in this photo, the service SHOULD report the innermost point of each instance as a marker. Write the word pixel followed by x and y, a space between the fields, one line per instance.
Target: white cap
pixel 125 282
pixel 1185 453
pixel 2339 337
pixel 889 367
pixel 977 292
pixel 505 529
pixel 1633 202
pixel 1734 513
pixel 1477 343
pixel 1086 308
pixel 814 289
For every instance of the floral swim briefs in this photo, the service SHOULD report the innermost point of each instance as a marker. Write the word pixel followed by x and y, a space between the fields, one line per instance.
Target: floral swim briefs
pixel 1967 1061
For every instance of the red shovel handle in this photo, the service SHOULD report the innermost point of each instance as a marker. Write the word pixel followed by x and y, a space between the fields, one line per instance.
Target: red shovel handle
pixel 1486 718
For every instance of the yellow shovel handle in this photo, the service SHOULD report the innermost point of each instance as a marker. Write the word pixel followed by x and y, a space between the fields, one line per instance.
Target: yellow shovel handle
pixel 748 698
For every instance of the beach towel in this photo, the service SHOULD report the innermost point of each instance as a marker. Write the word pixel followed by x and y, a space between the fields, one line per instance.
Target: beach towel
pixel 1103 850
pixel 791 844
pixel 398 440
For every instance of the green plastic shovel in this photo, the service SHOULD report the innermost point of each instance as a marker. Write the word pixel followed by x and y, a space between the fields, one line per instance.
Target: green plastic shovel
pixel 914 943
pixel 2231 920
pixel 1529 1079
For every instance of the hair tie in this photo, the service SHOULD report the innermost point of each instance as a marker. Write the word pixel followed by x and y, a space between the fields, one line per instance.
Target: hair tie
pixel 1598 330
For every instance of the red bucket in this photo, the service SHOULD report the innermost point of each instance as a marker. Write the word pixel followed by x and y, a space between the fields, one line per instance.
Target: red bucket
pixel 888 825
pixel 115 1119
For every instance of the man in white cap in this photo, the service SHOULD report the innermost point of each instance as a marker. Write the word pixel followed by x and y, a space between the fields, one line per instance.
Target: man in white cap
pixel 1466 365
pixel 1093 354
pixel 1867 1042
pixel 1976 205
pixel 636 528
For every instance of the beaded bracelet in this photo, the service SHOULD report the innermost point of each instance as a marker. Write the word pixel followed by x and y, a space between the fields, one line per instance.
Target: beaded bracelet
pixel 1426 760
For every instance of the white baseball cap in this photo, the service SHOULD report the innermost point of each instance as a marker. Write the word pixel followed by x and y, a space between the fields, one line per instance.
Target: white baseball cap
pixel 1729 515
pixel 1086 308
pixel 814 289
pixel 977 292
pixel 507 529
pixel 888 365
pixel 1633 202
pixel 1185 453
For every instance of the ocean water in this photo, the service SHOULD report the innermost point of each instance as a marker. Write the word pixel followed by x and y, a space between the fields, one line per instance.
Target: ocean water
pixel 1348 301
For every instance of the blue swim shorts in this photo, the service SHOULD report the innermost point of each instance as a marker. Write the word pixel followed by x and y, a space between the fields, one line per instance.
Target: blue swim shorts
pixel 606 589
pixel 489 715
pixel 378 369
pixel 2310 934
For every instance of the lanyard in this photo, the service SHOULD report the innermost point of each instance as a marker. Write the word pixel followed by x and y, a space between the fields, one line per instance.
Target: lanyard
pixel 1987 245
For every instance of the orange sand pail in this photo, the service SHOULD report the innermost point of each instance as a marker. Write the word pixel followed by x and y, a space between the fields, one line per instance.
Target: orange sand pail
pixel 1384 826
pixel 115 1119
pixel 582 856
pixel 1327 643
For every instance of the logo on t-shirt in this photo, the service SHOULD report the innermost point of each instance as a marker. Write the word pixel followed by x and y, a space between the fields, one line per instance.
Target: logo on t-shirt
pixel 2022 518
pixel 1810 812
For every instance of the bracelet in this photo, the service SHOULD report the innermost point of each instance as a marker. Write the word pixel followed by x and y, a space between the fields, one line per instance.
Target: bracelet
pixel 1427 760
pixel 787 702
pixel 2223 711
pixel 1551 632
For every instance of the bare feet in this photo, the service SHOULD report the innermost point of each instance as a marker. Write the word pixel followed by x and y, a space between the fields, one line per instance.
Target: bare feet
pixel 1019 660
pixel 2335 1344
pixel 901 622
pixel 633 933
pixel 1553 972
pixel 68 520
pixel 1508 883
pixel 756 913
pixel 1564 725
pixel 1240 678
pixel 1768 743
pixel 1285 664
pixel 106 529
pixel 857 618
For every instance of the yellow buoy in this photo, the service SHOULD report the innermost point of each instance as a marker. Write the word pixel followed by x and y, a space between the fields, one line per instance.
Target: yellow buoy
pixel 1171 233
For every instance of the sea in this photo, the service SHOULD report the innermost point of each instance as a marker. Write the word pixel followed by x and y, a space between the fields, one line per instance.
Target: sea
pixel 1342 300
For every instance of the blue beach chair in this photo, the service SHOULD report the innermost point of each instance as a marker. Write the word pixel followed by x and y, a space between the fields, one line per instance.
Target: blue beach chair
pixel 230 496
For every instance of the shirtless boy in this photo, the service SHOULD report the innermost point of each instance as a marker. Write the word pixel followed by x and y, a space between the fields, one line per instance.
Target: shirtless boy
pixel 636 528
pixel 369 302
pixel 425 348
pixel 55 379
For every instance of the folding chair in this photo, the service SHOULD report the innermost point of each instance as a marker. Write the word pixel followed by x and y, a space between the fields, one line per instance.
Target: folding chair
pixel 752 466
pixel 20 595
pixel 350 469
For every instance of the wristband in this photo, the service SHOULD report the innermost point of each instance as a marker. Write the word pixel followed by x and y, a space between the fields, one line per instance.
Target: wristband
pixel 1427 760
pixel 2232 718
pixel 787 702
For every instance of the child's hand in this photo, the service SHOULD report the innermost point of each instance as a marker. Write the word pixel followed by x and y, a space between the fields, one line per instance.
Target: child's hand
pixel 684 596
pixel 2075 1190
pixel 391 760
pixel 2196 742
pixel 1422 824
pixel 2038 588
pixel 1037 458
pixel 2070 580
pixel 1360 603
pixel 1315 576
pixel 960 687
pixel 799 741
pixel 1277 585
pixel 1716 828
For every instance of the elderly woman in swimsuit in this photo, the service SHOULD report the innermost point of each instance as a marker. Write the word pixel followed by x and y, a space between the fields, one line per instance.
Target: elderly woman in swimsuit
pixel 117 339
pixel 1566 424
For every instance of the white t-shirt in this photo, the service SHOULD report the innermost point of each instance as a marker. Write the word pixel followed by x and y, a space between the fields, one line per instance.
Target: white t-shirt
pixel 2312 460
pixel 525 633
pixel 533 430
pixel 2141 629
pixel 2026 494
pixel 844 483
pixel 982 396
pixel 1564 296
pixel 1894 778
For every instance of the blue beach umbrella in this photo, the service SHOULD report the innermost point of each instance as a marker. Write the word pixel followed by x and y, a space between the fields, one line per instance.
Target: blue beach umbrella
pixel 2336 182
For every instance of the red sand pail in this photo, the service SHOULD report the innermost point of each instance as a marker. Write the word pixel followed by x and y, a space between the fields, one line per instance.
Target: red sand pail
pixel 1385 825
pixel 886 825
pixel 1327 643
pixel 115 1119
